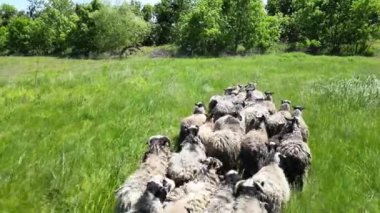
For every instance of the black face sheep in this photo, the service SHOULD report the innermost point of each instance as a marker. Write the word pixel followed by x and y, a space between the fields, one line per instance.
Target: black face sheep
pixel 197 118
pixel 247 201
pixel 268 102
pixel 276 122
pixel 195 195
pixel 297 154
pixel 185 165
pixel 155 162
pixel 271 184
pixel 304 128
pixel 154 196
pixel 224 144
pixel 254 148
pixel 223 201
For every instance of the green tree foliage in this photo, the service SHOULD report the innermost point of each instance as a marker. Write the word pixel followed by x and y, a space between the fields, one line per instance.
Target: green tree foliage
pixel 168 13
pixel 200 32
pixel 222 26
pixel 3 39
pixel 6 13
pixel 147 12
pixel 35 7
pixel 344 27
pixel 118 28
pixel 20 31
pixel 82 38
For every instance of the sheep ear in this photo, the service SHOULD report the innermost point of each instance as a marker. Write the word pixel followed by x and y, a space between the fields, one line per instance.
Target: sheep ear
pixel 237 187
pixel 259 186
pixel 165 141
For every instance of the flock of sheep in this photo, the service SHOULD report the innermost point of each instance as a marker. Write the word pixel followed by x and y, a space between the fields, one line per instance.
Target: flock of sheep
pixel 241 156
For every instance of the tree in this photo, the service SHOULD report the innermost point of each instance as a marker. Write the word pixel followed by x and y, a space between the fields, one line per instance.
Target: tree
pixel 3 39
pixel 147 12
pixel 168 13
pixel 118 28
pixel 20 30
pixel 82 37
pixel 200 31
pixel 6 13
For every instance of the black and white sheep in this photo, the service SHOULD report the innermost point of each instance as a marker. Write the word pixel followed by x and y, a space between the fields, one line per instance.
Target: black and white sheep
pixel 154 196
pixel 297 154
pixel 223 201
pixel 270 184
pixel 195 195
pixel 197 118
pixel 155 162
pixel 185 165
pixel 269 103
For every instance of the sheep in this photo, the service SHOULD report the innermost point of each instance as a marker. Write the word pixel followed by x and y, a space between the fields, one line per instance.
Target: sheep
pixel 205 131
pixel 224 144
pixel 183 166
pixel 252 112
pixel 304 128
pixel 220 108
pixel 270 184
pixel 224 200
pixel 277 121
pixel 254 148
pixel 268 102
pixel 195 195
pixel 297 154
pixel 154 196
pixel 197 118
pixel 246 200
pixel 155 162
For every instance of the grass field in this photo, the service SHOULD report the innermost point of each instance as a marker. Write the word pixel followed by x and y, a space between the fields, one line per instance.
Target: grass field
pixel 72 130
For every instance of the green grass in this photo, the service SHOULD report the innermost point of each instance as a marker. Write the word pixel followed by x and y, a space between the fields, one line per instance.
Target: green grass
pixel 72 130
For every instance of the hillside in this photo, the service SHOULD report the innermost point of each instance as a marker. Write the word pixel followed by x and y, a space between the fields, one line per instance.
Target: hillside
pixel 72 130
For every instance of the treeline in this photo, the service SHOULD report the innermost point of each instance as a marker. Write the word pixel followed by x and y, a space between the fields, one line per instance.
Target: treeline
pixel 198 27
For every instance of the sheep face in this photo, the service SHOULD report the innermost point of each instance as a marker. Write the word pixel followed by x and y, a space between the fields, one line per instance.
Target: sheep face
pixel 268 96
pixel 285 105
pixel 158 143
pixel 199 108
pixel 298 111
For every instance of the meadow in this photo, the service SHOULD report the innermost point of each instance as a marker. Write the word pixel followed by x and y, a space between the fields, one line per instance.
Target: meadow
pixel 72 130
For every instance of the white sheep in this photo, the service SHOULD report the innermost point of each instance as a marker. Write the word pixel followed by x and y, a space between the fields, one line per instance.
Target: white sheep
pixel 154 196
pixel 247 201
pixel 197 118
pixel 268 102
pixel 254 148
pixel 185 165
pixel 223 201
pixel 155 162
pixel 195 195
pixel 252 112
pixel 302 124
pixel 270 184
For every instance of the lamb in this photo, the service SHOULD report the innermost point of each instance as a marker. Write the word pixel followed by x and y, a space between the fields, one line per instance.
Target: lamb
pixel 254 148
pixel 270 184
pixel 268 102
pixel 304 128
pixel 276 122
pixel 154 196
pixel 185 165
pixel 297 155
pixel 195 195
pixel 224 144
pixel 155 162
pixel 223 201
pixel 197 118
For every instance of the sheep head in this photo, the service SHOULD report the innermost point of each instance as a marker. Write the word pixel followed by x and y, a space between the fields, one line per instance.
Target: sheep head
pixel 199 108
pixel 285 105
pixel 158 143
pixel 159 187
pixel 268 95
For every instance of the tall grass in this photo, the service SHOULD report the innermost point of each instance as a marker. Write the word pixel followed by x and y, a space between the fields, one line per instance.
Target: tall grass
pixel 72 130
